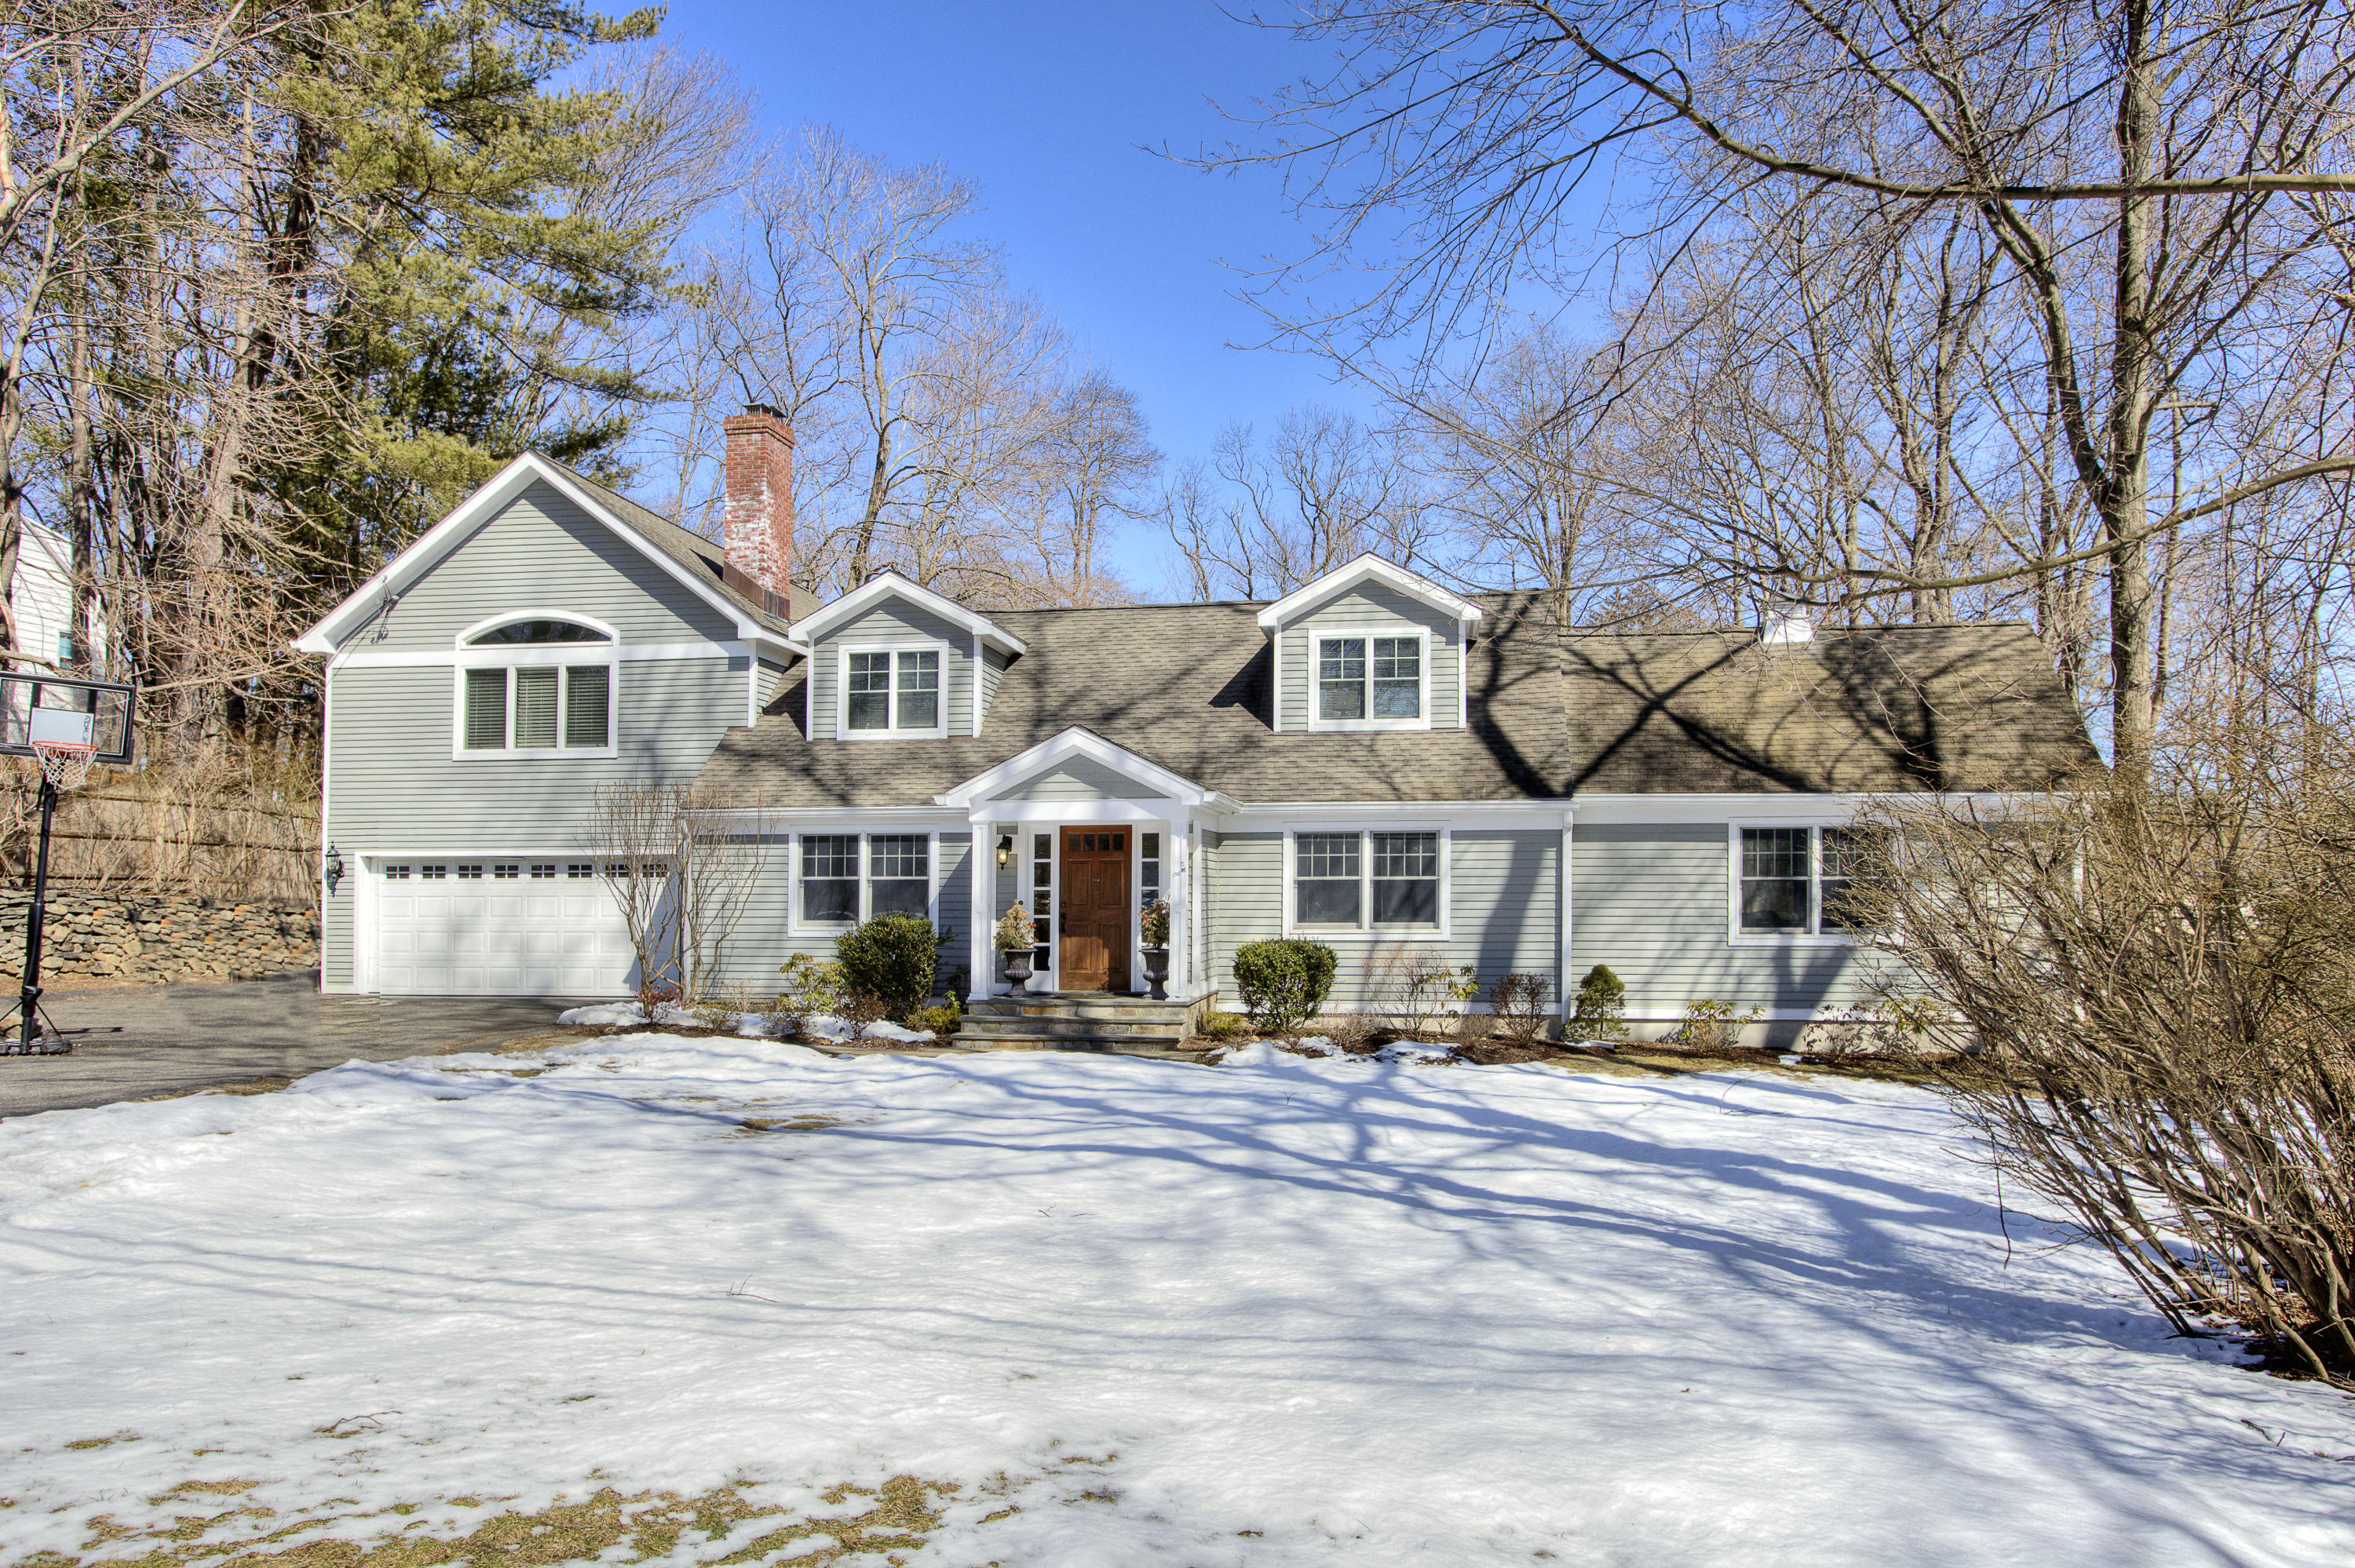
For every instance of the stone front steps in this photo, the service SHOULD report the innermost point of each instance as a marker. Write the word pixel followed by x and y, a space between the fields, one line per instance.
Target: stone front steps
pixel 1077 1020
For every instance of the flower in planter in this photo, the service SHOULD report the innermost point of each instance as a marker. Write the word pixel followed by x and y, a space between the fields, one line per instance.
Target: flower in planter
pixel 1015 930
pixel 1155 923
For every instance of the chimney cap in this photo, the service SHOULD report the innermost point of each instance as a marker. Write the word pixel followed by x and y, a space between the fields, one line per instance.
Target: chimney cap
pixel 764 410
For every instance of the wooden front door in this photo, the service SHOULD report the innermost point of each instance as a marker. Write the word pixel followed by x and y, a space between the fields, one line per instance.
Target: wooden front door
pixel 1094 955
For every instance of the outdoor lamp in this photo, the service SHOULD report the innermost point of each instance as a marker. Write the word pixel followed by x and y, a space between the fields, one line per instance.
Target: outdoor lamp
pixel 335 869
pixel 1006 849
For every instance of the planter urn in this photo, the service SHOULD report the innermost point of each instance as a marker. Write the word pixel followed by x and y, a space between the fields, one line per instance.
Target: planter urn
pixel 1156 971
pixel 1017 966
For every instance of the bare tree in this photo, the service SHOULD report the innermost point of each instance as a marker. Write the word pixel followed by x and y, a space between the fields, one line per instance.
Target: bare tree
pixel 2163 190
pixel 681 861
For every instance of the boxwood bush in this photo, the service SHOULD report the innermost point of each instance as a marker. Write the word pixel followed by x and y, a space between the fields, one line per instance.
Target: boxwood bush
pixel 892 958
pixel 1283 982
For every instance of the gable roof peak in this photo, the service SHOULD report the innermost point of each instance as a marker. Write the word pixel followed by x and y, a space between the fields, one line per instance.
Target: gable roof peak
pixel 889 584
pixel 1368 568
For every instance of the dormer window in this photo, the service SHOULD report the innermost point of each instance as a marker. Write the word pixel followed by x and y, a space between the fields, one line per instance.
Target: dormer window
pixel 1372 679
pixel 536 685
pixel 891 692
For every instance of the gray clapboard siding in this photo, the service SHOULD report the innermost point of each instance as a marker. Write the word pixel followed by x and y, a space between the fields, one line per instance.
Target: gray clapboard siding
pixel 772 677
pixel 993 669
pixel 893 620
pixel 1080 779
pixel 336 932
pixel 1370 605
pixel 396 787
pixel 540 552
pixel 1651 901
pixel 1503 901
pixel 762 941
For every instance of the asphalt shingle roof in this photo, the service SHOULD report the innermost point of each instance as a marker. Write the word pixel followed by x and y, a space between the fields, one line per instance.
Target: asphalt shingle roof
pixel 689 549
pixel 1187 687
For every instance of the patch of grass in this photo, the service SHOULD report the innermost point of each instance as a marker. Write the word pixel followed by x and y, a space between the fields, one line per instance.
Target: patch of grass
pixel 79 1444
pixel 787 1124
pixel 609 1527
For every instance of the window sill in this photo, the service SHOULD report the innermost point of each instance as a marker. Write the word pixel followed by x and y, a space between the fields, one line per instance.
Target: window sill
pixel 553 754
pixel 1373 934
pixel 1788 940
pixel 1364 726
pixel 941 734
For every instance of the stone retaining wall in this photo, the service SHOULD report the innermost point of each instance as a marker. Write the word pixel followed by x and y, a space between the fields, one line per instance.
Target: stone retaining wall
pixel 158 937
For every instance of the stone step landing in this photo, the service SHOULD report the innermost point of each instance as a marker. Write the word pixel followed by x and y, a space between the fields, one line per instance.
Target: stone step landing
pixel 1077 1020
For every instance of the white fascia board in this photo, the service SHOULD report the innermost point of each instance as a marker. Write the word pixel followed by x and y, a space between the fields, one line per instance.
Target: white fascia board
pixel 1071 742
pixel 891 585
pixel 1265 817
pixel 1764 808
pixel 428 547
pixel 1302 599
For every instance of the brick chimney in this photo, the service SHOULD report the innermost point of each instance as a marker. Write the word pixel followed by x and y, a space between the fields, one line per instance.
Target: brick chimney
pixel 759 506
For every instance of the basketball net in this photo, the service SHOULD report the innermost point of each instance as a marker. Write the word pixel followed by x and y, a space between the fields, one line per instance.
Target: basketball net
pixel 65 763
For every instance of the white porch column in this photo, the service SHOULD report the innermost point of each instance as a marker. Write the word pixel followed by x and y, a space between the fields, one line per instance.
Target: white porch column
pixel 984 887
pixel 1177 880
pixel 1569 983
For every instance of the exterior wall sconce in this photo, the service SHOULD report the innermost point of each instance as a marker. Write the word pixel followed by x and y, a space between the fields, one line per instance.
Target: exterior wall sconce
pixel 1005 849
pixel 335 869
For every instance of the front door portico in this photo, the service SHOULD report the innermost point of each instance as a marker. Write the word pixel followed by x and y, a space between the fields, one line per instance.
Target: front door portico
pixel 1094 923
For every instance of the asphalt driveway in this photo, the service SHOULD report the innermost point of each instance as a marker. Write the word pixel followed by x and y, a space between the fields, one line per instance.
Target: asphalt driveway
pixel 133 1042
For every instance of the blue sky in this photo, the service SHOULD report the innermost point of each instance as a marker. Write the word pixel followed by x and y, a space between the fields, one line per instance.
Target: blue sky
pixel 1051 105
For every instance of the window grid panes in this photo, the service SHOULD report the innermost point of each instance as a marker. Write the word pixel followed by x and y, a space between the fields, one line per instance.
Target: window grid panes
pixel 532 708
pixel 898 875
pixel 1042 895
pixel 830 878
pixel 869 700
pixel 1341 678
pixel 1148 870
pixel 920 691
pixel 1329 882
pixel 1796 881
pixel 1398 677
pixel 1406 879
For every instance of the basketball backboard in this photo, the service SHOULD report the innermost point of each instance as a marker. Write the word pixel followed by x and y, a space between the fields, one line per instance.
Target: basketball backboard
pixel 38 707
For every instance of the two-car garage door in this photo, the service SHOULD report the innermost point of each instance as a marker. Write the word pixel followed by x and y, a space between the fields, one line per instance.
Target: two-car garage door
pixel 499 927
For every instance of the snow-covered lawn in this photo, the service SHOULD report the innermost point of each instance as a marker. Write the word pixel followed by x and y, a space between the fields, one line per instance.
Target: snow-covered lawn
pixel 1111 1311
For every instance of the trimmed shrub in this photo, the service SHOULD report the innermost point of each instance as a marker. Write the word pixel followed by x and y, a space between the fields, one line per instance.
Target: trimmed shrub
pixel 812 985
pixel 892 958
pixel 941 1019
pixel 1283 982
pixel 1600 1012
pixel 1217 1025
pixel 1519 1004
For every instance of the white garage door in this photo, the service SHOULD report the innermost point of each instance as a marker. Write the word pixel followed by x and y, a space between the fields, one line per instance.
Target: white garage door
pixel 499 927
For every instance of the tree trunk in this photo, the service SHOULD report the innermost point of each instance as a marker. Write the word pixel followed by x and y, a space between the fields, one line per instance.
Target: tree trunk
pixel 2125 498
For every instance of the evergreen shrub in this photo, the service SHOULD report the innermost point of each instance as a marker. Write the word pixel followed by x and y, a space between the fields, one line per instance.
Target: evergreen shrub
pixel 893 959
pixel 1283 982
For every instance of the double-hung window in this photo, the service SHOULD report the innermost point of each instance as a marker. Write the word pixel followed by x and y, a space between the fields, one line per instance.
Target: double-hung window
pixel 1375 882
pixel 892 691
pixel 537 685
pixel 849 877
pixel 1796 881
pixel 1369 680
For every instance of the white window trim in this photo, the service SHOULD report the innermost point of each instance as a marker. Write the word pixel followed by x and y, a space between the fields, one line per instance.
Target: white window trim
pixel 842 730
pixel 1735 935
pixel 796 925
pixel 461 752
pixel 1366 931
pixel 1317 637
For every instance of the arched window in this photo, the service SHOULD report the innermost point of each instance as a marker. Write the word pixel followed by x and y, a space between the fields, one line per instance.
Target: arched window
pixel 539 632
pixel 543 684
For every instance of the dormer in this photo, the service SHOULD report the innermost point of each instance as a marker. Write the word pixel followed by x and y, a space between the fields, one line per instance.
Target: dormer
pixel 893 660
pixel 1369 647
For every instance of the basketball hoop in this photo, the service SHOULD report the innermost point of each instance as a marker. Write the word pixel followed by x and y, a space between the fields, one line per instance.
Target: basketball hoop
pixel 65 763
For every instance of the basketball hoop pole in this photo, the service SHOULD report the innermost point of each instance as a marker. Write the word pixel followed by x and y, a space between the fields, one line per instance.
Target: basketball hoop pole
pixel 29 999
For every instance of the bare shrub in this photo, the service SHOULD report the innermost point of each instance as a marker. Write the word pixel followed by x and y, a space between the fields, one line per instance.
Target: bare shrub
pixel 681 861
pixel 1713 1025
pixel 1517 1005
pixel 1413 990
pixel 228 831
pixel 2165 978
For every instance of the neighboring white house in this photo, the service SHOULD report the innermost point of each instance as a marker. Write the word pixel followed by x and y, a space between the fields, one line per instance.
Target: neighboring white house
pixel 41 596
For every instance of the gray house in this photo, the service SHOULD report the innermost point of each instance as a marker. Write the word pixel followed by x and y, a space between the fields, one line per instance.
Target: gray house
pixel 1373 760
